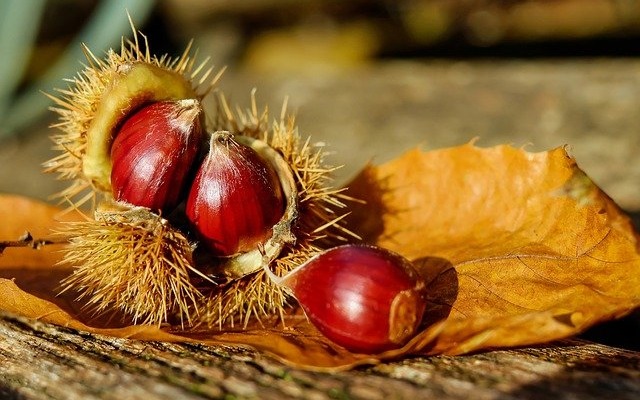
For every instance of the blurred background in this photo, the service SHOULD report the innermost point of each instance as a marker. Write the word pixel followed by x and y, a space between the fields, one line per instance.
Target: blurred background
pixel 371 79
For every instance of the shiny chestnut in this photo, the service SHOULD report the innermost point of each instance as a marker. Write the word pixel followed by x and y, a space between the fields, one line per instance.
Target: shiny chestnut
pixel 235 199
pixel 153 154
pixel 364 298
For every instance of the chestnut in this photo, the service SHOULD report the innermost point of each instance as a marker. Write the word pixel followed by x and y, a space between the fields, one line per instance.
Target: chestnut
pixel 153 154
pixel 235 199
pixel 364 298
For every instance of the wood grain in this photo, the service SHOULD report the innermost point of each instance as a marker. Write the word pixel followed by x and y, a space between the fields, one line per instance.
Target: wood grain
pixel 41 361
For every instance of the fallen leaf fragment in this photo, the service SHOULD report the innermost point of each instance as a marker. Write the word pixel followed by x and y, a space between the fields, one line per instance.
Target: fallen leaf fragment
pixel 517 248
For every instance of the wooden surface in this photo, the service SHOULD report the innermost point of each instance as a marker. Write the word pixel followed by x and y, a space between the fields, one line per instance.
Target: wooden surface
pixel 41 361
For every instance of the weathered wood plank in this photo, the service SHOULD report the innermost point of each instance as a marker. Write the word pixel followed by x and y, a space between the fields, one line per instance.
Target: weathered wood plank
pixel 42 361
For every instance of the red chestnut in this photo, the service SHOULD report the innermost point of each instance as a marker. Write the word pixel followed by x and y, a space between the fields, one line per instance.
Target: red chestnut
pixel 235 198
pixel 153 154
pixel 366 299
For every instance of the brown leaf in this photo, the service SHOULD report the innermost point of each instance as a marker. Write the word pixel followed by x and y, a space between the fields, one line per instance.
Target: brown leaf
pixel 517 247
pixel 537 250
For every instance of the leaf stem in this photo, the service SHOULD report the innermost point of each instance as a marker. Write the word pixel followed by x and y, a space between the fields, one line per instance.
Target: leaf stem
pixel 27 240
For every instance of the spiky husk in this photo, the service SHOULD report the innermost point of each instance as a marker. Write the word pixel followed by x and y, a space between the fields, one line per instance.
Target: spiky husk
pixel 76 107
pixel 135 261
pixel 320 222
pixel 132 260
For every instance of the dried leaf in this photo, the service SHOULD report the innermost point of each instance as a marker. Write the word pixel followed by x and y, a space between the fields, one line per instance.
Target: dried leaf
pixel 536 250
pixel 518 248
